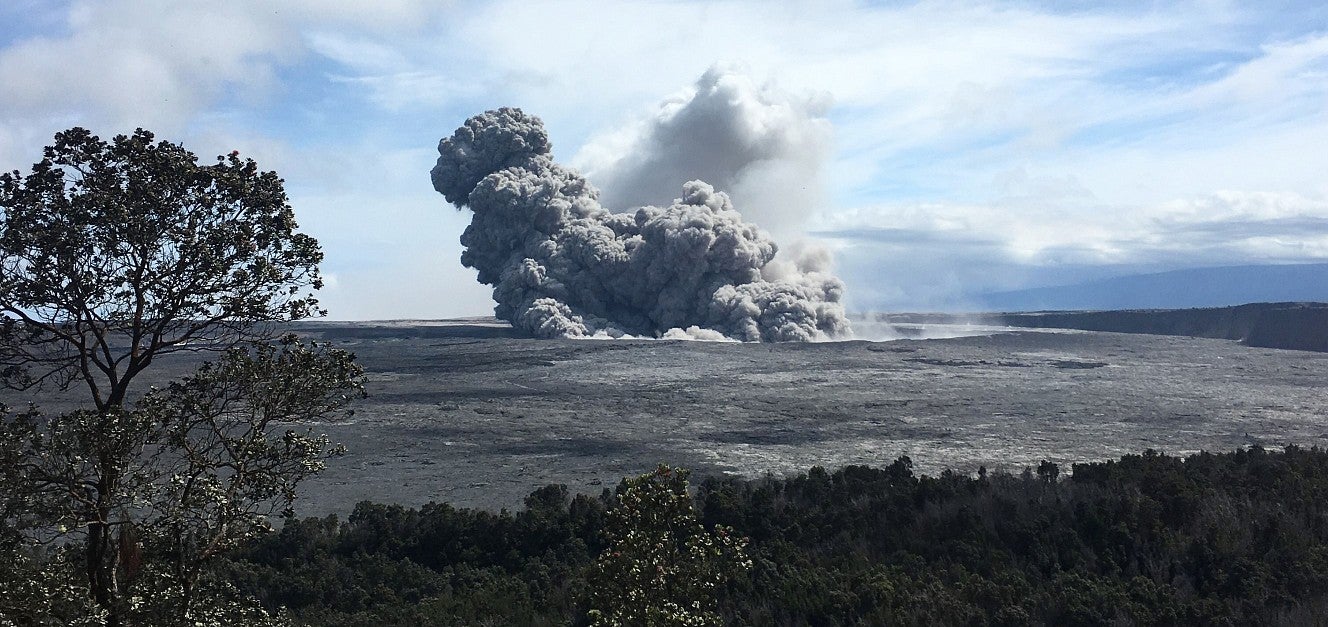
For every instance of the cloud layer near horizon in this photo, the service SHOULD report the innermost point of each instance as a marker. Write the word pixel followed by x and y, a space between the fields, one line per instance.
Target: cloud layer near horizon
pixel 951 148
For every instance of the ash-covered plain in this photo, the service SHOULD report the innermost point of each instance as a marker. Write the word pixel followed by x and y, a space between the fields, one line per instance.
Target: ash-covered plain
pixel 465 413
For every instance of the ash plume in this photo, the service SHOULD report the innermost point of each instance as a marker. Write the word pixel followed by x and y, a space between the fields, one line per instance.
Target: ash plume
pixel 561 265
pixel 764 146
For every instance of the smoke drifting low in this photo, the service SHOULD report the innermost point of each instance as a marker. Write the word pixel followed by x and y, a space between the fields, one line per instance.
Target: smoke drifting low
pixel 561 265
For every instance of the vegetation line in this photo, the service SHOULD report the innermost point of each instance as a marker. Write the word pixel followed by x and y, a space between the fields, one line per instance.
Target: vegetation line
pixel 1227 538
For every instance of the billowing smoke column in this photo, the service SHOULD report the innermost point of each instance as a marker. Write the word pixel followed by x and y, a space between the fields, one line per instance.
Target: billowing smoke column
pixel 764 146
pixel 561 265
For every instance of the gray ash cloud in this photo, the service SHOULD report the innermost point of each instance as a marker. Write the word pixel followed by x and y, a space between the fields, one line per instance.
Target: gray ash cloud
pixel 764 146
pixel 561 265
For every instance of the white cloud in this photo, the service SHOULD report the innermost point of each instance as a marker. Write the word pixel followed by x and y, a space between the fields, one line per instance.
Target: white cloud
pixel 153 63
pixel 938 253
pixel 1284 71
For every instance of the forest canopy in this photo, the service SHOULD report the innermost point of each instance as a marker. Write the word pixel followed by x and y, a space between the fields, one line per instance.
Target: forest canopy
pixel 1227 538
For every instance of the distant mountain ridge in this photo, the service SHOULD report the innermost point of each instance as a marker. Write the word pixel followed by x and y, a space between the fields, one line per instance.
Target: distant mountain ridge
pixel 1296 326
pixel 1293 326
pixel 1176 289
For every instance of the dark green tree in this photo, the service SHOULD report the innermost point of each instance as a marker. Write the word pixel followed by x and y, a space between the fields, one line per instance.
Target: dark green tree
pixel 661 567
pixel 113 256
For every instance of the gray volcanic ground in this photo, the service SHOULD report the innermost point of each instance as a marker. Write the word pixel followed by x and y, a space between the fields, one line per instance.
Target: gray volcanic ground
pixel 466 413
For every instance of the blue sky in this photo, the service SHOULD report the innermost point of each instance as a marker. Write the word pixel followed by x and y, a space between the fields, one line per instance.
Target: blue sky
pixel 944 149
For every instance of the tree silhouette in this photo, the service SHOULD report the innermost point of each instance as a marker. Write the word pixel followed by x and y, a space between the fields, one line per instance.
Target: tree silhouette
pixel 116 255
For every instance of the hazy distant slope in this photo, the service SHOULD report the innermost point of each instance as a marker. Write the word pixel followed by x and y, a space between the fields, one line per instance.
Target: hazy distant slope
pixel 1200 287
pixel 1298 326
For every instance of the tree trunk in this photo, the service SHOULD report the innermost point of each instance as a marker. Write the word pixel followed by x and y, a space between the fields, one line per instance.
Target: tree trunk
pixel 104 554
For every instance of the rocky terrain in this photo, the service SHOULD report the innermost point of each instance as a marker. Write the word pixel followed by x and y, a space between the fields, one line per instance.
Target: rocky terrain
pixel 460 413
